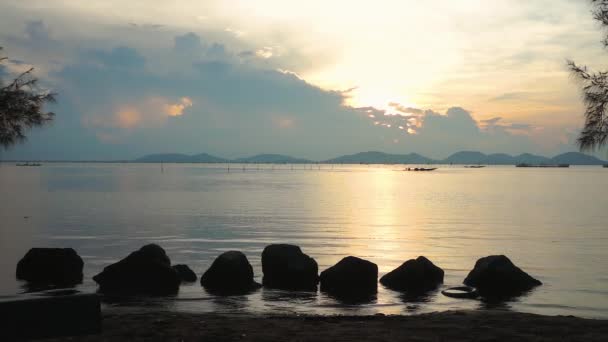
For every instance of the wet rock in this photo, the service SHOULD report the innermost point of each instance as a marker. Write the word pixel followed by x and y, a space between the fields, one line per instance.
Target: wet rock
pixel 50 266
pixel 351 278
pixel 145 271
pixel 416 275
pixel 185 273
pixel 497 276
pixel 286 267
pixel 230 273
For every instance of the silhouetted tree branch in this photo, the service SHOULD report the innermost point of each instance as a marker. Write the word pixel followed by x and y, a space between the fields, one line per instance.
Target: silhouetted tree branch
pixel 595 92
pixel 21 107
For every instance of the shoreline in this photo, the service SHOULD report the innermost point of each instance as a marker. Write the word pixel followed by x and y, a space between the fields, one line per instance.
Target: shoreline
pixel 448 325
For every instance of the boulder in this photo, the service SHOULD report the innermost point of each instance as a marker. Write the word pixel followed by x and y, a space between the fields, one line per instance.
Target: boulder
pixel 416 275
pixel 51 266
pixel 497 276
pixel 185 273
pixel 145 271
pixel 286 267
pixel 50 317
pixel 230 273
pixel 351 278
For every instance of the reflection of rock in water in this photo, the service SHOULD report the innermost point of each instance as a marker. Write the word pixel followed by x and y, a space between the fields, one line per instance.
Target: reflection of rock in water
pixel 230 303
pixel 289 297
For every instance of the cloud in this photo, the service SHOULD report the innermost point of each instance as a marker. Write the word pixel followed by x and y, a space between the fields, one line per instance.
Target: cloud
pixel 121 56
pixel 116 103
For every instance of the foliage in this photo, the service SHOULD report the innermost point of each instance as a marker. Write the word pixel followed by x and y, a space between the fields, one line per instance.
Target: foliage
pixel 21 106
pixel 595 92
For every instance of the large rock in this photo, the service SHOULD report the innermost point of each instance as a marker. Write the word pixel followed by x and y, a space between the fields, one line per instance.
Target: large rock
pixel 145 271
pixel 351 278
pixel 47 317
pixel 185 273
pixel 497 276
pixel 230 273
pixel 286 267
pixel 415 275
pixel 50 266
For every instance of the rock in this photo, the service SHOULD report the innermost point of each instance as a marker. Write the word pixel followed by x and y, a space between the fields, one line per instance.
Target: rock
pixel 497 276
pixel 185 273
pixel 230 273
pixel 145 271
pixel 51 266
pixel 415 275
pixel 50 317
pixel 351 278
pixel 286 267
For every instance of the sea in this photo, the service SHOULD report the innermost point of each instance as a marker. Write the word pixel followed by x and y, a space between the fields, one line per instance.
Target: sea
pixel 551 222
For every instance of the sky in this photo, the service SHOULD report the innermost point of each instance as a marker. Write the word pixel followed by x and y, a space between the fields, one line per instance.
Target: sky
pixel 312 79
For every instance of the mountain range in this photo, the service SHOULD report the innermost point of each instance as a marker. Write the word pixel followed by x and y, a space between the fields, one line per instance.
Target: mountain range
pixel 374 157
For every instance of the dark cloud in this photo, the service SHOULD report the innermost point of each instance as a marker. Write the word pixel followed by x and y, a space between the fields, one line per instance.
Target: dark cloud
pixel 121 56
pixel 188 43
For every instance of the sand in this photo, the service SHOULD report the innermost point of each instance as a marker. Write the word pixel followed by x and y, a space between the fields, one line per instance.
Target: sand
pixel 444 326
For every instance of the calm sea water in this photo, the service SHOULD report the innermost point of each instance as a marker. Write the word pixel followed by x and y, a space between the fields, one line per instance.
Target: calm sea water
pixel 551 222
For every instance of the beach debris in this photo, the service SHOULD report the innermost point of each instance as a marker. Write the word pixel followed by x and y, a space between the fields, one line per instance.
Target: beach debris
pixel 461 292
pixel 185 273
pixel 351 278
pixel 50 267
pixel 287 267
pixel 230 273
pixel 497 276
pixel 145 271
pixel 415 275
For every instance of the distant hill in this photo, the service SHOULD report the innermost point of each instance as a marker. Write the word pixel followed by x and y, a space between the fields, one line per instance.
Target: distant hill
pixel 576 158
pixel 180 158
pixel 272 159
pixel 374 157
pixel 466 157
pixel 527 158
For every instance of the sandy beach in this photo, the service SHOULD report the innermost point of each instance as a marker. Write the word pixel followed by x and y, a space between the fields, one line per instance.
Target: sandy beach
pixel 443 326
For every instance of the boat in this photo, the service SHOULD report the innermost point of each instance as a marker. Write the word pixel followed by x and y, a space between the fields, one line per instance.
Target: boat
pixel 474 166
pixel 420 169
pixel 28 164
pixel 542 165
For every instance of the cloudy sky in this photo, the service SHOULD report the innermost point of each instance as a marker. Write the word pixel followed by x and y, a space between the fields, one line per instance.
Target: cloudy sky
pixel 312 79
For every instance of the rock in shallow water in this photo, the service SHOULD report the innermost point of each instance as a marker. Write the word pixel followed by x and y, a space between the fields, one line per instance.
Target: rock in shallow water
pixel 497 276
pixel 145 271
pixel 185 273
pixel 415 275
pixel 230 273
pixel 351 278
pixel 50 266
pixel 286 267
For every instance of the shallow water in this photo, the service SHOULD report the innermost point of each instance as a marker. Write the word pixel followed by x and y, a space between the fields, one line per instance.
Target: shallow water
pixel 550 222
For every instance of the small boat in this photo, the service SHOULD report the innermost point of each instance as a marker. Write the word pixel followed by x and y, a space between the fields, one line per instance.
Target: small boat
pixel 420 169
pixel 542 165
pixel 474 166
pixel 28 164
